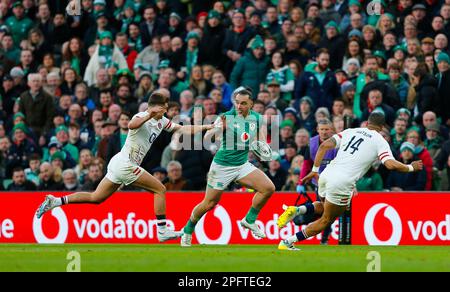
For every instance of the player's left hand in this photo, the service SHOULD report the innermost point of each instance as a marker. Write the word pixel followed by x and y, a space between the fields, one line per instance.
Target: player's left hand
pixel 310 176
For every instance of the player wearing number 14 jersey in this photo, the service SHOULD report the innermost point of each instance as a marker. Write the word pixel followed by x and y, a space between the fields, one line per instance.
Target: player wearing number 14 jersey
pixel 358 149
pixel 124 167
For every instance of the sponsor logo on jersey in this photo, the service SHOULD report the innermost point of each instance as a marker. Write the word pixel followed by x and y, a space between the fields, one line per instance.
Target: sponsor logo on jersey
pixel 160 126
pixel 245 136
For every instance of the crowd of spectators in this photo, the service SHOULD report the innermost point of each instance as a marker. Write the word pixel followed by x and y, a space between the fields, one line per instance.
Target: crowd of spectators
pixel 71 82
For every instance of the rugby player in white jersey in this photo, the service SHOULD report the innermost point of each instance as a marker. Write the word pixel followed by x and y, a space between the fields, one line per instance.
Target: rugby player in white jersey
pixel 358 149
pixel 124 168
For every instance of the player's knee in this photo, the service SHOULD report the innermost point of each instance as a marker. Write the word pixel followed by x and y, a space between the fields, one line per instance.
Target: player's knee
pixel 161 190
pixel 96 199
pixel 269 189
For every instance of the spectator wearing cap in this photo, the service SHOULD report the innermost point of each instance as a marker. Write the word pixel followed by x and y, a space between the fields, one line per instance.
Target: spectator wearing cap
pixel 19 181
pixel 62 137
pixel 273 87
pixel 291 113
pixel 176 28
pixel 104 56
pixel 429 118
pixel 319 83
pixel 306 114
pixel 290 151
pixel 102 24
pixel 413 136
pixel 407 181
pixel 75 136
pixel 145 86
pixel 9 93
pixel 443 77
pixel 236 40
pixel 251 70
pixel 151 26
pixel 212 40
pixel 347 21
pixel 328 12
pixel 128 52
pixel 37 106
pixel 118 138
pixel 352 67
pixel 19 24
pixel 286 132
pixel 433 141
pixel 276 173
pixel 20 150
pixel 419 12
pixel 334 43
pixel 348 92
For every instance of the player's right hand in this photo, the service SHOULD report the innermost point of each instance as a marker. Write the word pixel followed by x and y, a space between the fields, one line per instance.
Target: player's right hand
pixel 417 165
pixel 156 109
pixel 309 177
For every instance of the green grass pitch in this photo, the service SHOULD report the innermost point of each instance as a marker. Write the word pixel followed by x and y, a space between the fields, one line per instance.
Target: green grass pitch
pixel 232 258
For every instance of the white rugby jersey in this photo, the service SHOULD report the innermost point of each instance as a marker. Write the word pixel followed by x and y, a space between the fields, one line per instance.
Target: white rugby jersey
pixel 358 149
pixel 140 140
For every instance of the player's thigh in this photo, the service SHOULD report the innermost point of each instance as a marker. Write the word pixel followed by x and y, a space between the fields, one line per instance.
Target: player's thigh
pixel 332 211
pixel 258 181
pixel 105 189
pixel 149 183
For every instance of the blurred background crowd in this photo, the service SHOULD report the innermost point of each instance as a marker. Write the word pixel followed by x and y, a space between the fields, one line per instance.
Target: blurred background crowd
pixel 70 83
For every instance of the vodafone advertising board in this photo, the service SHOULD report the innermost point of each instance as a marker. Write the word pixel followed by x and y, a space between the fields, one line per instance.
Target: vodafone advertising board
pixel 378 219
pixel 401 219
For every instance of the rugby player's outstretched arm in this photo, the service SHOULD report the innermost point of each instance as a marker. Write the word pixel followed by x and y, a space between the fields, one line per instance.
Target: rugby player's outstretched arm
pixel 393 164
pixel 137 121
pixel 189 129
pixel 323 148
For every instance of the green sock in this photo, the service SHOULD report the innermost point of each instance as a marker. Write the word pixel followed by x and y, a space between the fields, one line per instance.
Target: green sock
pixel 252 215
pixel 190 227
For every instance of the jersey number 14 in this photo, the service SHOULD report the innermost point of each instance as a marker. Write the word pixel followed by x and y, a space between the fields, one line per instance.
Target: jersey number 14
pixel 355 145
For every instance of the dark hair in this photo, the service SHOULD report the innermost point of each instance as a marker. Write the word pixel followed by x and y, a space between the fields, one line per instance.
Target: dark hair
pixel 322 51
pixel 105 90
pixel 157 98
pixel 421 70
pixel 243 91
pixel 34 156
pixel 377 119
pixel 173 104
pixel 17 169
pixel 128 114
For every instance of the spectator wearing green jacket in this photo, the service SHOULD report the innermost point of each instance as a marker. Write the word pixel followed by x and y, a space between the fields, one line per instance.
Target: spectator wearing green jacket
pixel 251 70
pixel 19 25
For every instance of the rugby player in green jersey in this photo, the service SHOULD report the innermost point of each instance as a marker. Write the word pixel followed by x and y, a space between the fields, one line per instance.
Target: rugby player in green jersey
pixel 239 127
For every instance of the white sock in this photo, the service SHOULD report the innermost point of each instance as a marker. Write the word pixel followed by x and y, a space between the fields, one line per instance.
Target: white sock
pixel 301 210
pixel 292 239
pixel 161 228
pixel 60 201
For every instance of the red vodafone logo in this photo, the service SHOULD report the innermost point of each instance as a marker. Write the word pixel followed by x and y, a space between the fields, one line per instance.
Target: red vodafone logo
pixel 245 136
pixel 382 214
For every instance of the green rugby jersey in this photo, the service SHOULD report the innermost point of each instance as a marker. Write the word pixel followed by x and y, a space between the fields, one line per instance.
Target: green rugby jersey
pixel 239 133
